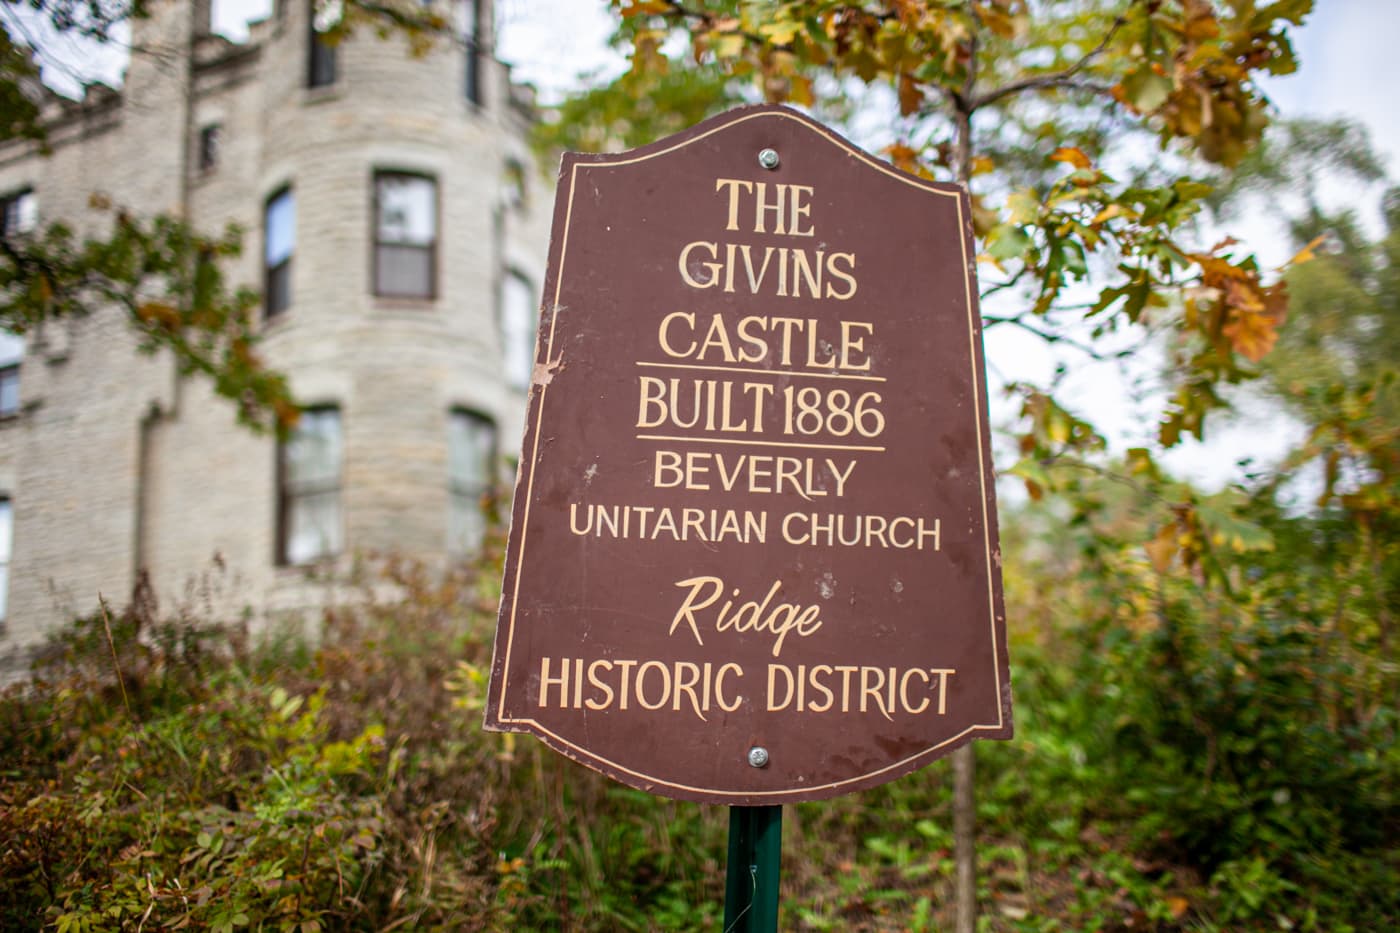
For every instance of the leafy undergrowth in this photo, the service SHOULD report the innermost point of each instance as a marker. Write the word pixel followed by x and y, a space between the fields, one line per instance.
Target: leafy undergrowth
pixel 345 784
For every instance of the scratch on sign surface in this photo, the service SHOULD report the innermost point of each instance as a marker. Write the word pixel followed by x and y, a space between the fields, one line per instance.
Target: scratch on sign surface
pixel 544 372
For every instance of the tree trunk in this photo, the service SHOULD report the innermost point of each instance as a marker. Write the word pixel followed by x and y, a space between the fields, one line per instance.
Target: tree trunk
pixel 964 839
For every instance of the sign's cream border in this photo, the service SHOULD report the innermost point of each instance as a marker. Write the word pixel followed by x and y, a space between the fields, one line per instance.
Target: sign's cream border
pixel 583 755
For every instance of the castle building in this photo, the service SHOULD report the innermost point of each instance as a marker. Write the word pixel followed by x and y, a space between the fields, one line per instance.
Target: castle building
pixel 396 227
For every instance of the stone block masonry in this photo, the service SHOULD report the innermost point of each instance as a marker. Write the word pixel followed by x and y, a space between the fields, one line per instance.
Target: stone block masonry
pixel 116 466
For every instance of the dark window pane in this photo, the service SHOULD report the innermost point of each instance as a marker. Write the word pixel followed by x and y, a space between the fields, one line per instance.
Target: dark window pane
pixel 279 241
pixel 320 54
pixel 209 147
pixel 404 271
pixel 19 213
pixel 279 288
pixel 322 67
pixel 471 36
pixel 9 390
pixel 517 184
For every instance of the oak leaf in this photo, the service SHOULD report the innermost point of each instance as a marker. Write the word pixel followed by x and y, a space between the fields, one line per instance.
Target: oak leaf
pixel 1252 329
pixel 911 96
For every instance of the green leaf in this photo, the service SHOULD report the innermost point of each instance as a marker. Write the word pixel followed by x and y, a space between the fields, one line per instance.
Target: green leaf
pixel 1220 519
pixel 1188 189
pixel 1007 241
pixel 1145 89
pixel 1031 469
pixel 1024 206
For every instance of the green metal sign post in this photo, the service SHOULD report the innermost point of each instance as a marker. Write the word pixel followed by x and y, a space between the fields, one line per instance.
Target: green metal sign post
pixel 751 884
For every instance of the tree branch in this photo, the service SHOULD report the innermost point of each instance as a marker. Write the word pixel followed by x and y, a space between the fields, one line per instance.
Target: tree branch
pixel 1050 336
pixel 963 107
pixel 1053 79
pixel 708 19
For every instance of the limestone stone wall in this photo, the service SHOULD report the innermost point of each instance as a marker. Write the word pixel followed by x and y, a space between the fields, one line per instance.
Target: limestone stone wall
pixel 116 465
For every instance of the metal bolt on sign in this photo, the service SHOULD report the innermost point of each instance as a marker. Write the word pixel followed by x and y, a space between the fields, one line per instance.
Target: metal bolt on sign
pixel 758 757
pixel 768 158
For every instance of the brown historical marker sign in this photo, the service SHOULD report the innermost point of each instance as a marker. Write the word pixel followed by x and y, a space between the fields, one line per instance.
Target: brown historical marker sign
pixel 753 554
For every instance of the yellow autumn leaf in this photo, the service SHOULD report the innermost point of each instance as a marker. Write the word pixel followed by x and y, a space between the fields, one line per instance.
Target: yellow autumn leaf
pixel 1306 254
pixel 1072 155
pixel 1107 214
pixel 800 91
pixel 1024 206
pixel 646 51
pixel 729 45
pixel 780 33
